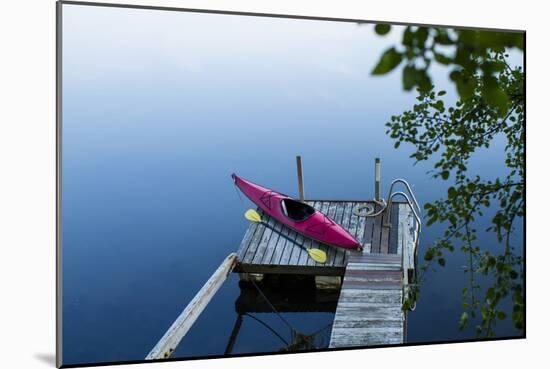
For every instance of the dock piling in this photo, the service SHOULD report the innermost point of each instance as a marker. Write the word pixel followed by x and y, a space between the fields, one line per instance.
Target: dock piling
pixel 377 167
pixel 300 177
pixel 234 333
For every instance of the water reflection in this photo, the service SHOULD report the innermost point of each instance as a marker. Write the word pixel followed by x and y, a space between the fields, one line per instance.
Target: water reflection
pixel 277 295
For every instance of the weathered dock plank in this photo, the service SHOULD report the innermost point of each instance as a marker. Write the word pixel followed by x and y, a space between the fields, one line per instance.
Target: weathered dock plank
pixel 334 215
pixel 291 244
pixel 246 240
pixel 262 246
pixel 406 241
pixel 362 335
pixel 384 237
pixel 270 248
pixel 346 218
pixel 368 232
pixel 255 240
pixel 369 308
pixel 323 207
pixel 377 231
pixel 394 229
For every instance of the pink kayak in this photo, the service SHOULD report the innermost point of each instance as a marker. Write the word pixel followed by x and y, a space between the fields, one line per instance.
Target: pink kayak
pixel 297 215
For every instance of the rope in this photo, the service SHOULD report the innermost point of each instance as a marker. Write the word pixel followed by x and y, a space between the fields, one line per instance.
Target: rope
pixel 370 209
pixel 239 194
pixel 268 327
pixel 324 338
pixel 271 306
pixel 293 331
pixel 322 329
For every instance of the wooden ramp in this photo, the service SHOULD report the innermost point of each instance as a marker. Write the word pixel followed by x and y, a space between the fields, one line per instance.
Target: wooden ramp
pixel 369 308
pixel 275 248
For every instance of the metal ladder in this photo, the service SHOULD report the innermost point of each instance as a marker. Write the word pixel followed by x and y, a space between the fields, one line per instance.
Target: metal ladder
pixel 416 211
pixel 411 201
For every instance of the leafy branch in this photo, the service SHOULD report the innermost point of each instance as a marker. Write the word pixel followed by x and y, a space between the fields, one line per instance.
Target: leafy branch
pixel 491 105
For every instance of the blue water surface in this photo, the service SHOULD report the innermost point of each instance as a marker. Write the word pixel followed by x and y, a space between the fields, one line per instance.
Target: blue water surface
pixel 159 108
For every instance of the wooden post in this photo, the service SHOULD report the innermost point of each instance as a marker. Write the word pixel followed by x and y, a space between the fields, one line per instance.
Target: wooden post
pixel 300 177
pixel 234 333
pixel 168 343
pixel 377 179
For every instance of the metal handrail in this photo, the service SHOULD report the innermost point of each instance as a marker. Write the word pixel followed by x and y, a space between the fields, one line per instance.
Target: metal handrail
pixel 416 216
pixel 415 244
pixel 409 202
pixel 409 190
pixel 415 208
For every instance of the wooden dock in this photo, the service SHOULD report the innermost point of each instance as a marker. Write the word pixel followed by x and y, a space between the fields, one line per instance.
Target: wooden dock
pixel 369 306
pixel 270 247
pixel 371 283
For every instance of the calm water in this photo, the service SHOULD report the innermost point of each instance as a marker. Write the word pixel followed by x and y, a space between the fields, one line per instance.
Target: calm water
pixel 159 109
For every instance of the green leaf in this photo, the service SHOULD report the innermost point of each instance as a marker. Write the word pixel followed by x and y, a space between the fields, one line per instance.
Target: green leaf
pixel 465 87
pixel 441 262
pixel 451 193
pixel 421 36
pixel 431 221
pixel 423 81
pixel 389 60
pixel 442 37
pixel 454 75
pixel 439 106
pixel 442 59
pixel 408 36
pixel 445 174
pixel 495 95
pixel 452 219
pixel 382 29
pixel 463 319
pixel 484 313
pixel 409 77
pixel 429 255
pixel 501 315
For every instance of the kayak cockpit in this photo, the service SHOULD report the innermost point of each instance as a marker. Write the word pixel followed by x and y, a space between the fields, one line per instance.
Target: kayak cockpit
pixel 296 210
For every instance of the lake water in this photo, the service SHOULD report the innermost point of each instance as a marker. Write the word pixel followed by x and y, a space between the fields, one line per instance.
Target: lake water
pixel 159 108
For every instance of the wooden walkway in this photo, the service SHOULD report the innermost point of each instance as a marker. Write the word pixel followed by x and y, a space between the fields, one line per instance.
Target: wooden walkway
pixel 271 247
pixel 369 307
pixel 369 310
